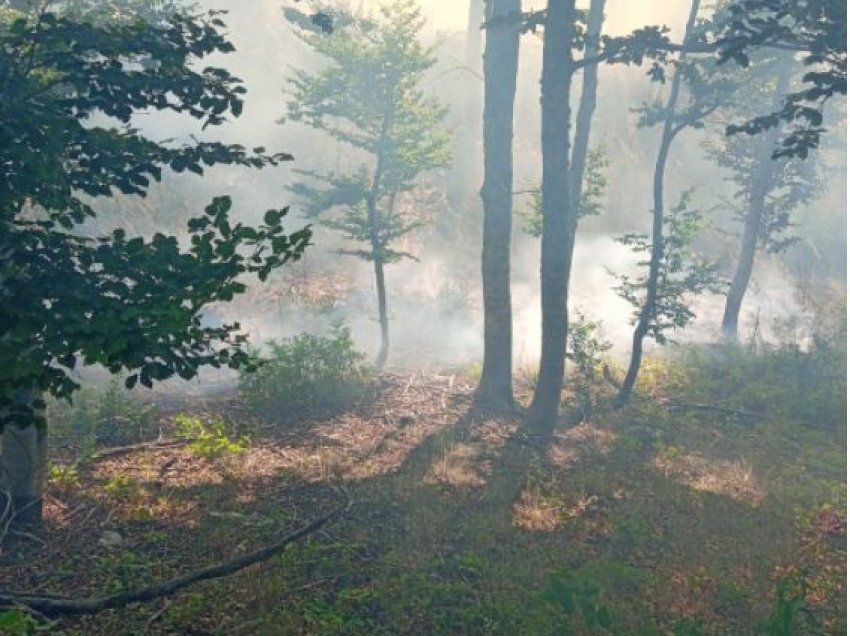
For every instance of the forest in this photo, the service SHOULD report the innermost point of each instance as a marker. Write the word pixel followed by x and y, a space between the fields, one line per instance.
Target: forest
pixel 423 317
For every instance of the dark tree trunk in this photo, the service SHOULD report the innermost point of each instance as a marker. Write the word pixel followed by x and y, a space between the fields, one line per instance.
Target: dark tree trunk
pixel 24 471
pixel 761 182
pixel 556 76
pixel 648 311
pixel 500 72
pixel 382 314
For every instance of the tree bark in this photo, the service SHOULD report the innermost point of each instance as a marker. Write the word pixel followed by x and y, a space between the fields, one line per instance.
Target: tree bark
pixel 584 120
pixel 761 182
pixel 24 472
pixel 501 59
pixel 556 76
pixel 648 311
pixel 382 315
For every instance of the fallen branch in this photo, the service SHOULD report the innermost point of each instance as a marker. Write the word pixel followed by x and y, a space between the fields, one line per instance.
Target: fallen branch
pixel 132 448
pixel 712 407
pixel 52 607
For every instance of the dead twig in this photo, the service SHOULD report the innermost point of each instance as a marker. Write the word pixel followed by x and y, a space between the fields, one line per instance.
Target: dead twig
pixel 66 607
pixel 108 453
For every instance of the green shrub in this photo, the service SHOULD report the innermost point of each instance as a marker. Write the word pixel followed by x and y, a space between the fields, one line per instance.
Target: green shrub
pixel 307 372
pixel 586 346
pixel 209 440
pixel 106 415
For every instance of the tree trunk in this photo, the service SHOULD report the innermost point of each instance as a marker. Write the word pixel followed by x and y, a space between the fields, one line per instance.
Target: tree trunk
pixel 761 182
pixel 466 173
pixel 382 314
pixel 648 311
pixel 24 472
pixel 584 119
pixel 501 57
pixel 556 76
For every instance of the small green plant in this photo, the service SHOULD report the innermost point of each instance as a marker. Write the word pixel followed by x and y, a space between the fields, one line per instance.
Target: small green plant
pixel 575 595
pixel 585 347
pixel 474 371
pixel 208 440
pixel 63 476
pixel 122 487
pixel 17 623
pixel 790 608
pixel 307 372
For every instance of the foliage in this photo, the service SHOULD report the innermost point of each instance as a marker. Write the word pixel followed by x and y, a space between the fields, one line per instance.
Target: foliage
pixel 791 183
pixel 818 30
pixel 16 622
pixel 307 372
pixel 790 609
pixel 593 190
pixel 126 303
pixel 370 97
pixel 209 440
pixel 574 596
pixel 585 347
pixel 681 272
pixel 63 475
pixel 102 415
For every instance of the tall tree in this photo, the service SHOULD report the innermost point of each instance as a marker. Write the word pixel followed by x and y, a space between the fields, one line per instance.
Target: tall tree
pixel 671 127
pixel 501 59
pixel 555 80
pixel 370 97
pixel 769 188
pixel 584 120
pixel 128 304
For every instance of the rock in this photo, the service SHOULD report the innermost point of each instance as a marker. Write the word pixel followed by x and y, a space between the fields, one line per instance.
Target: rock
pixel 110 539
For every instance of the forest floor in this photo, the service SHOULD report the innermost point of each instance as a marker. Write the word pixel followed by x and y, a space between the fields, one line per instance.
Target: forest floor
pixel 673 516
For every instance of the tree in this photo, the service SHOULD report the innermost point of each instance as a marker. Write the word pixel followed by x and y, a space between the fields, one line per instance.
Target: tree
pixel 370 97
pixel 129 304
pixel 501 59
pixel 673 124
pixel 555 81
pixel 565 194
pixel 815 28
pixel 769 188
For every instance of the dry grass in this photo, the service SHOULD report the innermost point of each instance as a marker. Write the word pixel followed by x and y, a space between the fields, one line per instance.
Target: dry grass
pixel 734 479
pixel 536 512
pixel 569 446
pixel 460 466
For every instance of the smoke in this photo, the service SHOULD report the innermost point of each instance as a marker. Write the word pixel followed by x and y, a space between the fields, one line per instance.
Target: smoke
pixel 435 304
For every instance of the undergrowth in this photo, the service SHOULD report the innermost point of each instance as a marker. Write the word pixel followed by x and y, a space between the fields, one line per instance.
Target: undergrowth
pixel 307 372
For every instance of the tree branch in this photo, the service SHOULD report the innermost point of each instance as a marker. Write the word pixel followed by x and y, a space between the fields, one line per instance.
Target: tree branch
pixel 66 607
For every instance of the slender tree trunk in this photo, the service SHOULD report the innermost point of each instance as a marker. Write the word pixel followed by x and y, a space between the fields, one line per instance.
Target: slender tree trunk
pixel 466 174
pixel 761 182
pixel 648 311
pixel 501 57
pixel 24 470
pixel 382 315
pixel 584 119
pixel 556 76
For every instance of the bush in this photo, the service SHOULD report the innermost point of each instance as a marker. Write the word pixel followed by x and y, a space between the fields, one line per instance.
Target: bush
pixel 103 415
pixel 208 440
pixel 307 372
